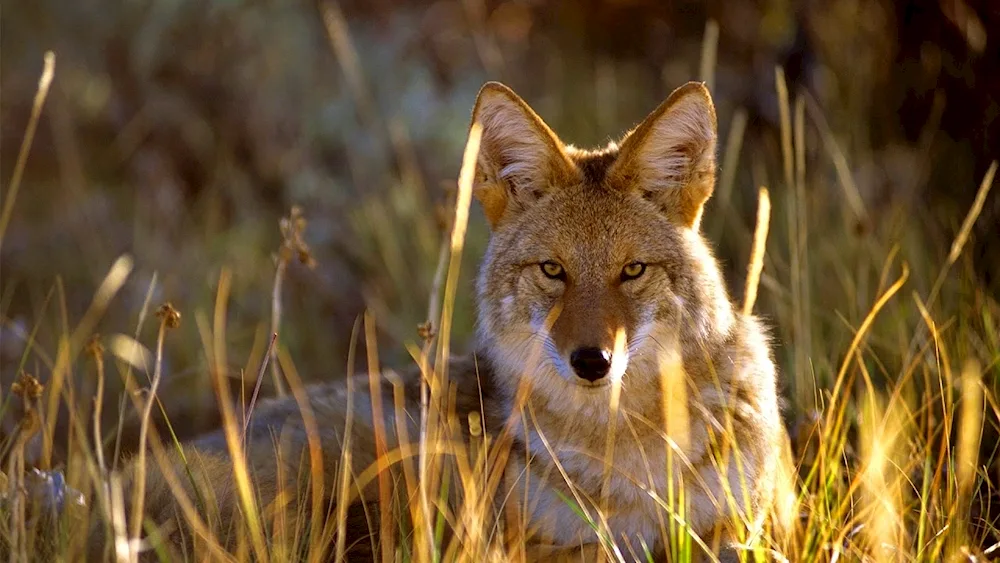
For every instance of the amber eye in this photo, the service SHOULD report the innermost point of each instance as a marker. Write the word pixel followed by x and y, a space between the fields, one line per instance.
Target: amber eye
pixel 633 270
pixel 553 270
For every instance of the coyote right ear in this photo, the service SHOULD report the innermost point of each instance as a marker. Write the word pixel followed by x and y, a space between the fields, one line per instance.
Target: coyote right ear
pixel 670 157
pixel 520 158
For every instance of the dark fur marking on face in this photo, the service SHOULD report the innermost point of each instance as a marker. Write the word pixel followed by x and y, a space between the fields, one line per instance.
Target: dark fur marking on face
pixel 594 165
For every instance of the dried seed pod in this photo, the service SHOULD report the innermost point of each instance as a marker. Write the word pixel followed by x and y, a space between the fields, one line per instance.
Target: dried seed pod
pixel 170 316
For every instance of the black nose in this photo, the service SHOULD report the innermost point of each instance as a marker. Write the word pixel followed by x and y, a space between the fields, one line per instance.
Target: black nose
pixel 590 363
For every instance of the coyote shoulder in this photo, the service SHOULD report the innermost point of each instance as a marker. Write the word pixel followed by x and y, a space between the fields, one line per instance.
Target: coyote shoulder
pixel 639 401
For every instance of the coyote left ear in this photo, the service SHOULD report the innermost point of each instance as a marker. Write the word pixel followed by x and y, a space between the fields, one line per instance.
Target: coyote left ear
pixel 670 156
pixel 520 158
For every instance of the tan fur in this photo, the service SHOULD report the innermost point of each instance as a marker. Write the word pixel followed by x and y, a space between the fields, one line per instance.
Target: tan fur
pixel 698 408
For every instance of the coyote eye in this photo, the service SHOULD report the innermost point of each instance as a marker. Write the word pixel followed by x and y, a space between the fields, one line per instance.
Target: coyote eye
pixel 553 270
pixel 633 270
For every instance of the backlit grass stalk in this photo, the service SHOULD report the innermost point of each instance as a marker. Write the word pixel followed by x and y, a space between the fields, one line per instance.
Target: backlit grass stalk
pixel 29 391
pixel 345 469
pixel 103 491
pixel 122 545
pixel 474 516
pixel 958 244
pixel 44 82
pixel 803 383
pixel 97 351
pixel 129 381
pixel 709 50
pixel 265 360
pixel 70 346
pixel 970 218
pixel 401 418
pixel 756 263
pixel 386 540
pixel 439 375
pixel 730 163
pixel 462 203
pixel 428 333
pixel 339 37
pixel 884 528
pixel 614 403
pixel 169 319
pixel 279 277
pixel 840 380
pixel 943 382
pixel 852 195
pixel 317 485
pixel 801 240
pixel 677 433
pixel 241 474
pixel 970 428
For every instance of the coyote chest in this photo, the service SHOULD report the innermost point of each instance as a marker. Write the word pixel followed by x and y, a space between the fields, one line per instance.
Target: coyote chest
pixel 562 498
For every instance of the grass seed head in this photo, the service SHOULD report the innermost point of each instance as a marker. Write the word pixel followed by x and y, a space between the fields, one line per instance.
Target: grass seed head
pixel 27 387
pixel 293 245
pixel 170 316
pixel 95 347
pixel 425 331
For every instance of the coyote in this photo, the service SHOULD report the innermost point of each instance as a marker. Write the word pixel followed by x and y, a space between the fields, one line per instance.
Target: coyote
pixel 636 396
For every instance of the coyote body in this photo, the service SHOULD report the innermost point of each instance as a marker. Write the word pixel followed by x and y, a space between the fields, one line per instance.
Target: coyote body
pixel 636 396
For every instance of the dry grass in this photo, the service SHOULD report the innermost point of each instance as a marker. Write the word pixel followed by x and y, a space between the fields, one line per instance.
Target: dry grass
pixel 892 392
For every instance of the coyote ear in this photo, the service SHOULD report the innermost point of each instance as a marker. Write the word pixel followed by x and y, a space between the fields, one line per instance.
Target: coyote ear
pixel 670 156
pixel 520 158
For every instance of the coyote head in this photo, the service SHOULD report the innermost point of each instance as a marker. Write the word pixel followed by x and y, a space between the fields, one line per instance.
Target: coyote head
pixel 590 248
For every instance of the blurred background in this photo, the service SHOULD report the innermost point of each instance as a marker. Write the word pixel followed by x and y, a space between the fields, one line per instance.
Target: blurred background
pixel 181 131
